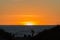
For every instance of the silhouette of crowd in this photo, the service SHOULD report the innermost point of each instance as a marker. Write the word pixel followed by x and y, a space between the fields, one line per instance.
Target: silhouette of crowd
pixel 50 34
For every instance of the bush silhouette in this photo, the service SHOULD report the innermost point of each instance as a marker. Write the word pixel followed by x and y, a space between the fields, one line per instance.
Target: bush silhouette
pixel 5 35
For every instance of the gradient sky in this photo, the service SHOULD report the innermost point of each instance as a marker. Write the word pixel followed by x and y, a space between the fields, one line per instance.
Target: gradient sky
pixel 43 12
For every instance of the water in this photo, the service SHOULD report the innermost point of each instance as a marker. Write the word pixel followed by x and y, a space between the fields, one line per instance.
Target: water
pixel 19 30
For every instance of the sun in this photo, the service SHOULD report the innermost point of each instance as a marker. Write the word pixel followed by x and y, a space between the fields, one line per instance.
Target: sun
pixel 29 23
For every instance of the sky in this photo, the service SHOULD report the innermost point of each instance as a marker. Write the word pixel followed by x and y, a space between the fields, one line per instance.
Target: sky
pixel 42 12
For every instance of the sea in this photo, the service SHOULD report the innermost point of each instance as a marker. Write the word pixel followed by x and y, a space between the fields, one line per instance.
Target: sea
pixel 21 30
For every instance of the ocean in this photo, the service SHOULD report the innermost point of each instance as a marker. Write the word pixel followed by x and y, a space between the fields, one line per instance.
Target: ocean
pixel 20 30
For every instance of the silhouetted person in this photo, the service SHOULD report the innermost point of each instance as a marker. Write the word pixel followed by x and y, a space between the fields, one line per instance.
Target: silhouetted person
pixel 29 35
pixel 25 35
pixel 32 31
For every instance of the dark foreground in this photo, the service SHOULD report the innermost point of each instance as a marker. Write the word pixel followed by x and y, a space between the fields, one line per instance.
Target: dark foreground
pixel 50 34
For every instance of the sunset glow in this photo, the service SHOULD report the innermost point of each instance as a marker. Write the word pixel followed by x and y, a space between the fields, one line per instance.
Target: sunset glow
pixel 44 12
pixel 29 23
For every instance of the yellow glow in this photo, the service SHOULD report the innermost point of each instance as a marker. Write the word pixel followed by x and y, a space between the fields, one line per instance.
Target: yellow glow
pixel 29 23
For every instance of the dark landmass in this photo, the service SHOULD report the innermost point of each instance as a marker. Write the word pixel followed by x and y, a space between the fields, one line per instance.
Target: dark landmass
pixel 48 34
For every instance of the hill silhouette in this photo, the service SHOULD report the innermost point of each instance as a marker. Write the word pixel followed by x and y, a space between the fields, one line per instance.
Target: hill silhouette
pixel 51 34
pixel 5 35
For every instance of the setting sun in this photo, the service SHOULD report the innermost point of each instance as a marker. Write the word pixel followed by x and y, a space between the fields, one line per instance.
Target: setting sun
pixel 29 23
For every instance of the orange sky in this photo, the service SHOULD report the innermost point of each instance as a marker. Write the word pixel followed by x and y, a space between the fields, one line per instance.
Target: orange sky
pixel 43 12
